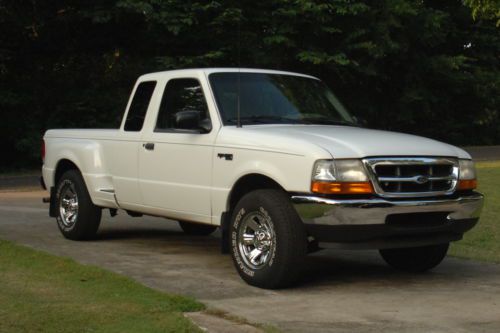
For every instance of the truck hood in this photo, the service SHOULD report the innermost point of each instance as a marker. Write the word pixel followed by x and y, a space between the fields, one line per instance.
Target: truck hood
pixel 345 141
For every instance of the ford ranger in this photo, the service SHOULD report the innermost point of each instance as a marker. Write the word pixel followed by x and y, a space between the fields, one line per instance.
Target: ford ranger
pixel 275 161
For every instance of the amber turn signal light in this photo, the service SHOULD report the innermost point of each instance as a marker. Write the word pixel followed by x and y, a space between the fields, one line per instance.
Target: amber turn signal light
pixel 342 187
pixel 467 184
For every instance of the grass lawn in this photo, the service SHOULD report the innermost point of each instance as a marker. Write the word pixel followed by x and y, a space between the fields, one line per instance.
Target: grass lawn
pixel 43 293
pixel 483 242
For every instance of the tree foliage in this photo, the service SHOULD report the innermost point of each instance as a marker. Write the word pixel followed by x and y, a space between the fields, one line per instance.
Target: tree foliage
pixel 487 9
pixel 424 67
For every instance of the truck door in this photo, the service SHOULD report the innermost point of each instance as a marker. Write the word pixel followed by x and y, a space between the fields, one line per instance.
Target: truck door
pixel 123 152
pixel 175 163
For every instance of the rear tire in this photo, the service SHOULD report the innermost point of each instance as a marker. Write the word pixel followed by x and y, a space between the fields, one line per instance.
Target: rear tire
pixel 268 239
pixel 77 217
pixel 415 259
pixel 197 229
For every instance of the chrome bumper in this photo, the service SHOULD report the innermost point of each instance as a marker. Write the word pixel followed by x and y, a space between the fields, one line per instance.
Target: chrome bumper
pixel 322 211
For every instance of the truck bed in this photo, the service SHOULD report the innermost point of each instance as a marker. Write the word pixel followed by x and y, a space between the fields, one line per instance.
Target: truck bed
pixel 83 133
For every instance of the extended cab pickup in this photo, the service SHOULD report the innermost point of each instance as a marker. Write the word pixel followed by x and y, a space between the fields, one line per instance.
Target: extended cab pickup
pixel 275 161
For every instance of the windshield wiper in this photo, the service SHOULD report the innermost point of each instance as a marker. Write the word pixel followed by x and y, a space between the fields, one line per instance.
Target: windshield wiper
pixel 267 119
pixel 263 119
pixel 326 121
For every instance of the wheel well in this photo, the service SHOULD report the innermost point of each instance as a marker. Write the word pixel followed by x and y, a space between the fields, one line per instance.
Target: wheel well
pixel 249 183
pixel 63 166
pixel 244 185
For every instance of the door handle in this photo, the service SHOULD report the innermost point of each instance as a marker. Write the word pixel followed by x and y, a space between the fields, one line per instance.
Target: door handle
pixel 149 146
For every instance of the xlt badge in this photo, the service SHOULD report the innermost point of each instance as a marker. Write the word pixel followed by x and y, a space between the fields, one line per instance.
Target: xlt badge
pixel 227 157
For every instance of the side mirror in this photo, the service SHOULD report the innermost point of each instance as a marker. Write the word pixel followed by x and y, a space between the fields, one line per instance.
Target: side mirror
pixel 205 125
pixel 361 122
pixel 187 120
pixel 190 120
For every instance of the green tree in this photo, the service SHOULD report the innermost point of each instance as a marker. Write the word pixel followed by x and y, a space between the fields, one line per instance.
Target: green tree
pixel 488 9
pixel 423 67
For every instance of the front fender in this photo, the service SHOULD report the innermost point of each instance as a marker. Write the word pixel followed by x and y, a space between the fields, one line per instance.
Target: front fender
pixel 291 172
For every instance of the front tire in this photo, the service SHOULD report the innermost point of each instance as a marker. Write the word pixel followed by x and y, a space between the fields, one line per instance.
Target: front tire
pixel 268 239
pixel 197 229
pixel 415 259
pixel 78 218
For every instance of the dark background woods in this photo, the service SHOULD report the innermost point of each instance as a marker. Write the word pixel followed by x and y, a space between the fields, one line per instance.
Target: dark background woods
pixel 423 67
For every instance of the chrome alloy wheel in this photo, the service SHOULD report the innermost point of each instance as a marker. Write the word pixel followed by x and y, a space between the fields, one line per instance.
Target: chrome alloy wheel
pixel 68 205
pixel 256 240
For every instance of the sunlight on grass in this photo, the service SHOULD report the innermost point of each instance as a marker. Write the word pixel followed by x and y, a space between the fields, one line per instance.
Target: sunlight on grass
pixel 483 242
pixel 44 293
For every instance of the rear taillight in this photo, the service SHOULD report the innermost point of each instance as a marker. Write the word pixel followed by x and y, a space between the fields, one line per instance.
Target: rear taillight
pixel 42 150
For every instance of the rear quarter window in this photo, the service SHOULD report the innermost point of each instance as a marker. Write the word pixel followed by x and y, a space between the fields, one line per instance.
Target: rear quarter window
pixel 139 106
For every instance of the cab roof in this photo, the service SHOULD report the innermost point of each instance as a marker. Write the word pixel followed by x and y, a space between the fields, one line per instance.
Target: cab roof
pixel 208 71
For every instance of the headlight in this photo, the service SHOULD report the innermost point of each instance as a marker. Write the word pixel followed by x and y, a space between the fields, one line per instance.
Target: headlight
pixel 467 169
pixel 466 175
pixel 340 177
pixel 324 170
pixel 340 170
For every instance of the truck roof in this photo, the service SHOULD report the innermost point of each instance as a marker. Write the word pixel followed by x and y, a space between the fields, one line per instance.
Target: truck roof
pixel 211 70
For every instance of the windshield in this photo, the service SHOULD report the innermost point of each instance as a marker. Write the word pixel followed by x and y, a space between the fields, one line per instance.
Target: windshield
pixel 276 99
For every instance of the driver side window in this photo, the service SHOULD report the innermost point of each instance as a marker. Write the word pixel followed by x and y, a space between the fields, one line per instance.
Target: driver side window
pixel 180 96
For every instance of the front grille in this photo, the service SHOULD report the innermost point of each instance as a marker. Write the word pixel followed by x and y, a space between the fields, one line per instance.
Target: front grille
pixel 405 177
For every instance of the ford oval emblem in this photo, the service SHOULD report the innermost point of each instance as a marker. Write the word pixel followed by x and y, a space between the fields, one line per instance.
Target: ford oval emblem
pixel 421 179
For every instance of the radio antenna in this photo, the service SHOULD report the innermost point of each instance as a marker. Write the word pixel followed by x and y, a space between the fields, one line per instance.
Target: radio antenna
pixel 238 108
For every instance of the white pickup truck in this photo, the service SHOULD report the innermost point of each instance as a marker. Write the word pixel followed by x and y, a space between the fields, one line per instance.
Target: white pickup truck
pixel 275 161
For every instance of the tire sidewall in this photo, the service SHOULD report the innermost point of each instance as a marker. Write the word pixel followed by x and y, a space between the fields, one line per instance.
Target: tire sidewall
pixel 416 259
pixel 239 215
pixel 66 179
pixel 286 260
pixel 88 217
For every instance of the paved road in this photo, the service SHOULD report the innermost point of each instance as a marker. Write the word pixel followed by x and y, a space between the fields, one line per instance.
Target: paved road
pixel 484 153
pixel 14 182
pixel 341 292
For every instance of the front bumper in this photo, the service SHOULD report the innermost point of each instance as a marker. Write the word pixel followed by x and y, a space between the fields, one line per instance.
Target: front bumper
pixel 378 222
